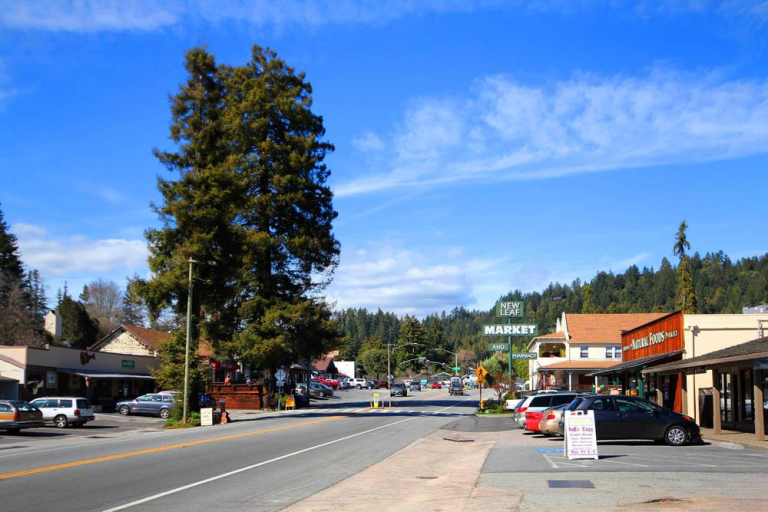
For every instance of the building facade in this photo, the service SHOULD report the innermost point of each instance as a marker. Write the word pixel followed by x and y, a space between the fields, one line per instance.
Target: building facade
pixel 581 344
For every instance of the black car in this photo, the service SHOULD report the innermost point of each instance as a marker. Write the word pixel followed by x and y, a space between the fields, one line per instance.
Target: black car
pixel 626 417
pixel 398 389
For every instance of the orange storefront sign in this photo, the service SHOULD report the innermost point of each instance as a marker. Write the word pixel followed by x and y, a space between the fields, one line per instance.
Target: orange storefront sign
pixel 659 337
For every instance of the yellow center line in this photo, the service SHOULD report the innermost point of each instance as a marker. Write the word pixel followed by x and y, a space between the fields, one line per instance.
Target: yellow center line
pixel 57 467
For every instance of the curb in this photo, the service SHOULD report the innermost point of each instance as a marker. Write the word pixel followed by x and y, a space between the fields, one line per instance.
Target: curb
pixel 725 444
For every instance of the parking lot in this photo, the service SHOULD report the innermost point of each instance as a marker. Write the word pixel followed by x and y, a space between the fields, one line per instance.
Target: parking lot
pixel 530 453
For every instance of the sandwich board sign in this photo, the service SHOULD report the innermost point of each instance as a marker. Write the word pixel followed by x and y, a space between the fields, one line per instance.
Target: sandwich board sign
pixel 206 416
pixel 580 435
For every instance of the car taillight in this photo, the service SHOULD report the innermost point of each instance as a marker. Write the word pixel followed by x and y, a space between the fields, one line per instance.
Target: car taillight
pixel 77 412
pixel 551 416
pixel 16 416
pixel 688 418
pixel 522 409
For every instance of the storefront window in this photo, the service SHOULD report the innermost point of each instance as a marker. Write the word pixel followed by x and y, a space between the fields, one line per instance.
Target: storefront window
pixel 749 410
pixel 726 411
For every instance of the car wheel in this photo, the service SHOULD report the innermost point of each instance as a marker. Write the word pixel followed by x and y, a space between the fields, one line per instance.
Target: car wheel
pixel 60 421
pixel 358 386
pixel 164 413
pixel 125 410
pixel 676 436
pixel 13 431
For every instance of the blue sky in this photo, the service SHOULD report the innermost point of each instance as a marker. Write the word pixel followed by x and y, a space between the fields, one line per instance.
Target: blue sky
pixel 480 146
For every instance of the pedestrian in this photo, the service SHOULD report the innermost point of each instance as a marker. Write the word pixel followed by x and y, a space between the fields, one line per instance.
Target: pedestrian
pixel 227 380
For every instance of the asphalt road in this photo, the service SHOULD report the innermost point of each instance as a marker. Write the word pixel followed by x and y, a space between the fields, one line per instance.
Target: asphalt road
pixel 263 462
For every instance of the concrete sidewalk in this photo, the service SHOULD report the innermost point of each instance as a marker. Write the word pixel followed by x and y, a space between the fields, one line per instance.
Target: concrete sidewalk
pixel 438 472
pixel 732 439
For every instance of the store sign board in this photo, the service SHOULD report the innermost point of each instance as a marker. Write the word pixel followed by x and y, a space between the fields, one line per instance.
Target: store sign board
pixel 523 355
pixel 662 336
pixel 650 339
pixel 580 435
pixel 510 330
pixel 761 364
pixel 206 416
pixel 498 347
pixel 127 363
pixel 514 309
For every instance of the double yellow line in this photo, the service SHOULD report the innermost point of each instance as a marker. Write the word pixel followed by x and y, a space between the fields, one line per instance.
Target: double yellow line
pixel 57 467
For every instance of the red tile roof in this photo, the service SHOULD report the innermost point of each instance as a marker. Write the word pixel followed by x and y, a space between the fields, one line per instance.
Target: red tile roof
pixel 605 327
pixel 552 336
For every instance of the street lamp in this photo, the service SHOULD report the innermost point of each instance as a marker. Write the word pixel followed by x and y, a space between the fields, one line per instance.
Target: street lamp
pixel 390 347
pixel 186 352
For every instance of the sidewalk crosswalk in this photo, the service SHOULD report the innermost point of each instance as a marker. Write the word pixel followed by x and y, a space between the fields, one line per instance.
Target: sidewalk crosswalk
pixel 385 410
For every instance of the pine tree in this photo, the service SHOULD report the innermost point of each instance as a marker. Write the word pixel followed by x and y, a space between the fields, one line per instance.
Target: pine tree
pixel 78 328
pixel 686 297
pixel 10 261
pixel 132 310
pixel 251 205
pixel 589 300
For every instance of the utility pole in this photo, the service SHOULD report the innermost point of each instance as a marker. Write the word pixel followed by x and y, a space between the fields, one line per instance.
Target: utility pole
pixel 186 352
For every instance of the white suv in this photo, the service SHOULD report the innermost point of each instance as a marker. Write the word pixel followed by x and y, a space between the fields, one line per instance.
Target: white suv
pixel 357 383
pixel 63 411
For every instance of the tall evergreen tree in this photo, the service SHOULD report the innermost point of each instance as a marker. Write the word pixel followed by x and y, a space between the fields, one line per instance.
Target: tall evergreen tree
pixel 251 205
pixel 686 296
pixel 78 328
pixel 10 261
pixel 132 310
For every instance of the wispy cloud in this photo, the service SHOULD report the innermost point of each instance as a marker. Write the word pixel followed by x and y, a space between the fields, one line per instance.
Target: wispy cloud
pixel 368 142
pixel 77 255
pixel 515 131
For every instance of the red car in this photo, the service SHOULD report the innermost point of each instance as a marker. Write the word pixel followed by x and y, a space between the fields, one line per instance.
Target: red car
pixel 437 385
pixel 532 420
pixel 331 383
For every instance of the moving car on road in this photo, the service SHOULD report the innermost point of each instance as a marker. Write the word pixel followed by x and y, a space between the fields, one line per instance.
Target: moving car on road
pixel 437 385
pixel 64 411
pixel 626 417
pixel 398 389
pixel 156 404
pixel 16 415
pixel 456 387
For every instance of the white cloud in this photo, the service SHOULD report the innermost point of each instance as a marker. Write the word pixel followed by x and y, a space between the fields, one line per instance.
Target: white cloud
pixel 368 142
pixel 148 15
pixel 78 256
pixel 509 130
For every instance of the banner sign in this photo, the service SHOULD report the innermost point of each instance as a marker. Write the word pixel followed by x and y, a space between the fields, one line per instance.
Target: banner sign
pixel 498 347
pixel 510 330
pixel 515 309
pixel 580 435
pixel 523 355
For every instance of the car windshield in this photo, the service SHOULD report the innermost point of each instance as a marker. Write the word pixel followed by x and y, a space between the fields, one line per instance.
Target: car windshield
pixel 24 407
pixel 574 404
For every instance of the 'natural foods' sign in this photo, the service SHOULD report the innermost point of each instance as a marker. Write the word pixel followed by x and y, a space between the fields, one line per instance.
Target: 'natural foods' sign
pixel 660 337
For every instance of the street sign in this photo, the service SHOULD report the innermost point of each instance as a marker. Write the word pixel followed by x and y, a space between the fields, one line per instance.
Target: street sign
pixel 456 368
pixel 280 374
pixel 523 355
pixel 480 380
pixel 481 372
pixel 510 330
pixel 514 309
pixel 280 383
pixel 498 347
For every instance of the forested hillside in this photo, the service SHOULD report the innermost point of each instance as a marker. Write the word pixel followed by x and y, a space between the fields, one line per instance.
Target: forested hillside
pixel 721 286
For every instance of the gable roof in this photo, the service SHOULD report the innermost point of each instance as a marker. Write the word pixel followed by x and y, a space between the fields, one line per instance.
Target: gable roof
pixel 552 336
pixel 150 337
pixel 604 327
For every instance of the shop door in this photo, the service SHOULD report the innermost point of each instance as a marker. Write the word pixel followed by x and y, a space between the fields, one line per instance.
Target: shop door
pixel 726 399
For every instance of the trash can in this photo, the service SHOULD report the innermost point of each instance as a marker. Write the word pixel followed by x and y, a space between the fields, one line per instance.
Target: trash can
pixel 302 401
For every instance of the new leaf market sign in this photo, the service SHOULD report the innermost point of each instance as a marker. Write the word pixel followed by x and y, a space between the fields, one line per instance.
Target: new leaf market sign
pixel 510 330
pixel 515 308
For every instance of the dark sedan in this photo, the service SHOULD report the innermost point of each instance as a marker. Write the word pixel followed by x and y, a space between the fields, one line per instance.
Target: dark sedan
pixel 399 389
pixel 626 417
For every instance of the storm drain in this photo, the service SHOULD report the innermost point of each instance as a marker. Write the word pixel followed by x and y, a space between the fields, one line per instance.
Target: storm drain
pixel 570 484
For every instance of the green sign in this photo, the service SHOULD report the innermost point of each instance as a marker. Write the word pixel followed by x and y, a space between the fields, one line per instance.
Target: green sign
pixel 515 308
pixel 523 355
pixel 456 368
pixel 128 364
pixel 510 330
pixel 498 347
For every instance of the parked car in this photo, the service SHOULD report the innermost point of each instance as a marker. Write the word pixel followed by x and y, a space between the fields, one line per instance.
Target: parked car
pixel 357 383
pixel 626 417
pixel 331 383
pixel 380 384
pixel 550 419
pixel 532 419
pixel 16 415
pixel 398 389
pixel 64 411
pixel 540 402
pixel 159 404
pixel 513 404
pixel 344 384
pixel 437 385
pixel 319 389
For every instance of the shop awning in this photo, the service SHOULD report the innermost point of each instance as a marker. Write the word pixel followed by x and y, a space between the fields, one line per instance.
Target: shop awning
pixel 751 350
pixel 108 375
pixel 576 365
pixel 637 363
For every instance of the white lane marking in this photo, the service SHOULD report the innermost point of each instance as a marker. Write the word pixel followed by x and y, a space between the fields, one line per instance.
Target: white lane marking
pixel 622 462
pixel 264 463
pixel 546 457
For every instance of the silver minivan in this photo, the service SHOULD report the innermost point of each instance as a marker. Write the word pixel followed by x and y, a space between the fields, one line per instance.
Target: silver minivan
pixel 64 411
